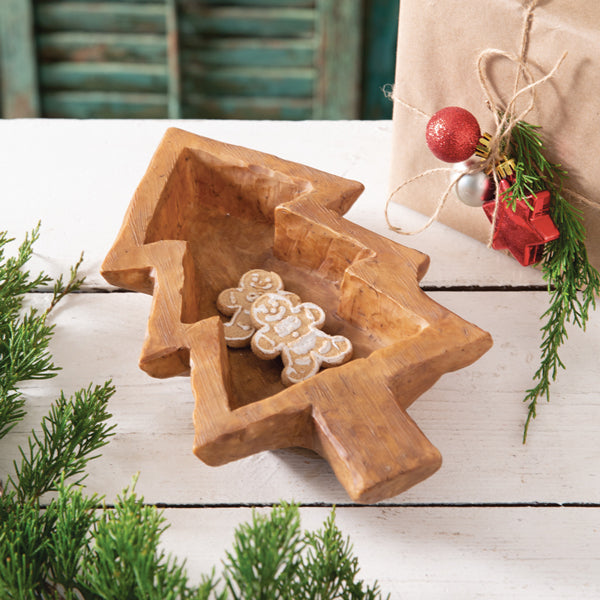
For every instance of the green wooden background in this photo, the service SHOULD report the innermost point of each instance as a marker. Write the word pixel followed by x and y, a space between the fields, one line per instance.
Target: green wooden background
pixel 244 59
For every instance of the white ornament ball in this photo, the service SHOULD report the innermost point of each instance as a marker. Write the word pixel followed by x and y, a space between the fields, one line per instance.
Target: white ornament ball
pixel 473 188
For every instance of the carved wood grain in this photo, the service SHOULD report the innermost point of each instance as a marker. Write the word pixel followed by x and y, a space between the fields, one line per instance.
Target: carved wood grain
pixel 205 213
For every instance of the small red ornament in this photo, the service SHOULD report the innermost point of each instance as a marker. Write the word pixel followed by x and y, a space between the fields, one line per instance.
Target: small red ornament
pixel 523 232
pixel 452 134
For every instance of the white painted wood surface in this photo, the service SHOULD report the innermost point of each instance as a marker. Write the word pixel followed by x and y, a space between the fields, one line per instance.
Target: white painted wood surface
pixel 499 520
pixel 433 553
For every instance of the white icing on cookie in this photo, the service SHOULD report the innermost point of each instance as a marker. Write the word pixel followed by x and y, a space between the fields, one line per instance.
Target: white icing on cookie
pixel 236 302
pixel 291 329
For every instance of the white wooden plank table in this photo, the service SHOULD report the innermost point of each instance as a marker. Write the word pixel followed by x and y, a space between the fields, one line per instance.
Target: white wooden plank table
pixel 499 520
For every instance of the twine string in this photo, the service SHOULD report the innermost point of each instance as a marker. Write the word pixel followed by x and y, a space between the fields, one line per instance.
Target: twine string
pixel 530 6
pixel 505 119
pixel 438 209
pixel 389 93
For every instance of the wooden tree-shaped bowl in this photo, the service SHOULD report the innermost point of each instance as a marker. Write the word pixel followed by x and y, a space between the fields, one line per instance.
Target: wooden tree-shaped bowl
pixel 205 213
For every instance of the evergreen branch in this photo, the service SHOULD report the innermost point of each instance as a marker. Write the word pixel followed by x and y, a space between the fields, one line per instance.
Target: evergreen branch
pixel 329 569
pixel 126 562
pixel 73 515
pixel 22 348
pixel 60 290
pixel 15 281
pixel 573 283
pixel 72 431
pixel 24 340
pixel 24 542
pixel 11 410
pixel 25 354
pixel 265 556
pixel 272 560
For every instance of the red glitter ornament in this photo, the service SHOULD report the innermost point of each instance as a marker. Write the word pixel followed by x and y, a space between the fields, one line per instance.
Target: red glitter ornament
pixel 452 134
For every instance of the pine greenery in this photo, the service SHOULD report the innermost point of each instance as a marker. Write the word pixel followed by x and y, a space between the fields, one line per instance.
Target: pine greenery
pixel 68 546
pixel 573 283
pixel 272 559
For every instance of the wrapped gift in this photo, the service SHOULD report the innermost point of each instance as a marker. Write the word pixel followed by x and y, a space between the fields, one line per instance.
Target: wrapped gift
pixel 438 46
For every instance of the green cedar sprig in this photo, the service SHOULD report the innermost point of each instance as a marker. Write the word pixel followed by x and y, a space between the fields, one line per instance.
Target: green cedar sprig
pixel 329 568
pixel 573 283
pixel 24 338
pixel 126 560
pixel 272 559
pixel 74 429
pixel 266 556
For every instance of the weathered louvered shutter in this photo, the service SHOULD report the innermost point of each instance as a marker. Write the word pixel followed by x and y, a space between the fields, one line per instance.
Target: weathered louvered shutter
pixel 278 59
pixel 106 59
pixel 270 59
pixel 18 74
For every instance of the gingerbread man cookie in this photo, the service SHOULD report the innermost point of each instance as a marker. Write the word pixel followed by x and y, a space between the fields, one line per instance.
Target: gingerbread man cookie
pixel 291 328
pixel 236 302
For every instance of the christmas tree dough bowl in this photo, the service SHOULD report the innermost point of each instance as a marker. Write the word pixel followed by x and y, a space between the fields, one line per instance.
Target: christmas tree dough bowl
pixel 206 212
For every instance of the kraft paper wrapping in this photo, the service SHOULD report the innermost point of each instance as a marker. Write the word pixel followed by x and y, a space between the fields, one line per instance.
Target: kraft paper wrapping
pixel 438 45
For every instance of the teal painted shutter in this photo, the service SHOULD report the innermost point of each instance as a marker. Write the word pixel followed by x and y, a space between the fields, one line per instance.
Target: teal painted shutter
pixel 107 59
pixel 339 59
pixel 270 59
pixel 245 59
pixel 18 71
